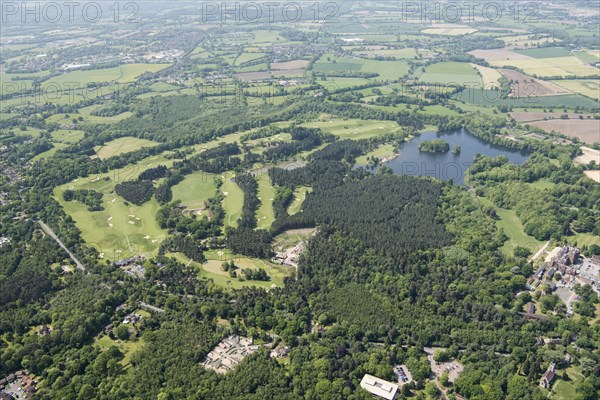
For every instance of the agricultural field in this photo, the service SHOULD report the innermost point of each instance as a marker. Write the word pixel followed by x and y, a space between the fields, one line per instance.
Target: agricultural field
pixel 451 73
pixel 545 52
pixel 549 67
pixel 121 146
pixel 387 70
pixel 528 116
pixel 449 30
pixel 526 41
pixel 586 130
pixel 195 190
pixel 585 87
pixel 489 76
pixel 122 74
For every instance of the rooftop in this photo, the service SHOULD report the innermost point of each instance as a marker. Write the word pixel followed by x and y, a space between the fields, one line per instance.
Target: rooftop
pixel 379 387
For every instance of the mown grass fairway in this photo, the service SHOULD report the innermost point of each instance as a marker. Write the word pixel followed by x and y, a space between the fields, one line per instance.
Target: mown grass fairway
pixel 513 228
pixel 121 146
pixel 194 190
pixel 266 193
pixel 299 197
pixel 233 202
pixel 119 230
pixel 354 128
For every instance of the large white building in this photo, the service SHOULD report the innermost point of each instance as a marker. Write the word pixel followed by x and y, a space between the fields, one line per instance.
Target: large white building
pixel 379 387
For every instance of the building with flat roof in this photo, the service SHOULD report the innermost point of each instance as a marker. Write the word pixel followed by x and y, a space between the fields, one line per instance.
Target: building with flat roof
pixel 379 388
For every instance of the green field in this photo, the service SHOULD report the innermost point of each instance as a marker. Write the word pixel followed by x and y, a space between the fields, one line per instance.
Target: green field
pixel 451 73
pixel 127 347
pixel 67 136
pixel 233 202
pixel 387 70
pixel 121 146
pixel 354 128
pixel 122 74
pixel 266 193
pixel 299 196
pixel 545 52
pixel 566 390
pixel 215 258
pixel 119 230
pixel 194 190
pixel 381 152
pixel 586 87
pixel 513 228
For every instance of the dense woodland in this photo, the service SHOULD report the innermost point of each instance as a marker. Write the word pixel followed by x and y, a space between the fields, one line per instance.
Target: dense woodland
pixel 397 264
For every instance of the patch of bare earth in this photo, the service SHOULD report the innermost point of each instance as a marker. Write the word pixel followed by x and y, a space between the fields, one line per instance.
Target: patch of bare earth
pixel 588 131
pixel 290 65
pixel 526 86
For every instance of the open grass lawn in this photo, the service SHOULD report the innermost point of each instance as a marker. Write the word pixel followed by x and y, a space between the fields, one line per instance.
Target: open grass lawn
pixel 266 192
pixel 354 128
pixel 119 230
pixel 451 73
pixel 233 202
pixel 584 239
pixel 566 389
pixel 121 146
pixel 49 153
pixel 212 269
pixel 67 136
pixel 543 184
pixel 513 228
pixel 299 196
pixel 127 347
pixel 195 189
pixel 88 118
pixel 387 70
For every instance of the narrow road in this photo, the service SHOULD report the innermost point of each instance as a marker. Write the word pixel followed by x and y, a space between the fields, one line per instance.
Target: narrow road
pixel 540 251
pixel 51 233
pixel 151 308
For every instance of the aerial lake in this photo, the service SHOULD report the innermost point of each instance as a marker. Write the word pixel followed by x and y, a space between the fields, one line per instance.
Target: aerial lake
pixel 412 161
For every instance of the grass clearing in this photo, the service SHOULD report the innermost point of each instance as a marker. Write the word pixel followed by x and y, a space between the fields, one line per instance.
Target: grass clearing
pixel 266 193
pixel 127 347
pixel 513 228
pixel 121 146
pixel 381 152
pixel 299 197
pixel 195 190
pixel 233 202
pixel 120 230
pixel 211 269
pixel 354 128
pixel 67 135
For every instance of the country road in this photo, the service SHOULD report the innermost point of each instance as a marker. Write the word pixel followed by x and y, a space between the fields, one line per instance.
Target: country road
pixel 51 233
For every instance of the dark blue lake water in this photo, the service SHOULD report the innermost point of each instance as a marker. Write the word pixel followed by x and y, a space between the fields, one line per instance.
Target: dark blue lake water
pixel 446 166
